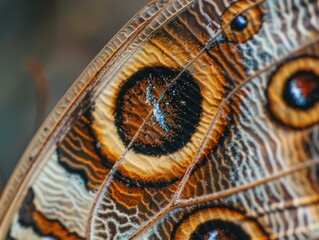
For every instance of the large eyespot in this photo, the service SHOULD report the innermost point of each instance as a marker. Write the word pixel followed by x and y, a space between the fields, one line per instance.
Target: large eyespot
pixel 293 92
pixel 218 223
pixel 173 119
pixel 243 26
pixel 162 109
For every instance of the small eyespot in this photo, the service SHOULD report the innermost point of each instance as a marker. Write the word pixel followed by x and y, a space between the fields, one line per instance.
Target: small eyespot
pixel 293 92
pixel 218 223
pixel 240 28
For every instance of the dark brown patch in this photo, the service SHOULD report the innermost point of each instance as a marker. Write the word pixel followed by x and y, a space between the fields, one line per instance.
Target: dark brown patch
pixel 29 216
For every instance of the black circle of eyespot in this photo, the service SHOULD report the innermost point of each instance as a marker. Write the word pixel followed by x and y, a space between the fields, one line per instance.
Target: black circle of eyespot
pixel 217 229
pixel 183 96
pixel 301 90
pixel 239 23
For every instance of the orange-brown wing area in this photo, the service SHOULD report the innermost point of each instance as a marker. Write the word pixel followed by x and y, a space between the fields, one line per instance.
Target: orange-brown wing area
pixel 175 98
pixel 155 168
pixel 77 153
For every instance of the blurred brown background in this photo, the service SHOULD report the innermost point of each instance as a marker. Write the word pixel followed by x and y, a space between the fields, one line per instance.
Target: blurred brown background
pixel 62 36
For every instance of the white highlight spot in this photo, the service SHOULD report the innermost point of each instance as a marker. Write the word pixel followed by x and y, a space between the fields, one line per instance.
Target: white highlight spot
pixel 297 94
pixel 158 113
pixel 213 235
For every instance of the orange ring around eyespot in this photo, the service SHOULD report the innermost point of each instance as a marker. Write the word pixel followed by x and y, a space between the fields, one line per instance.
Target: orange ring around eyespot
pixel 286 114
pixel 254 20
pixel 185 230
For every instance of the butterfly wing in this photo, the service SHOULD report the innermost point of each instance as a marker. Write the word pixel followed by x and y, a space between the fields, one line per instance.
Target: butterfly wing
pixel 202 123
